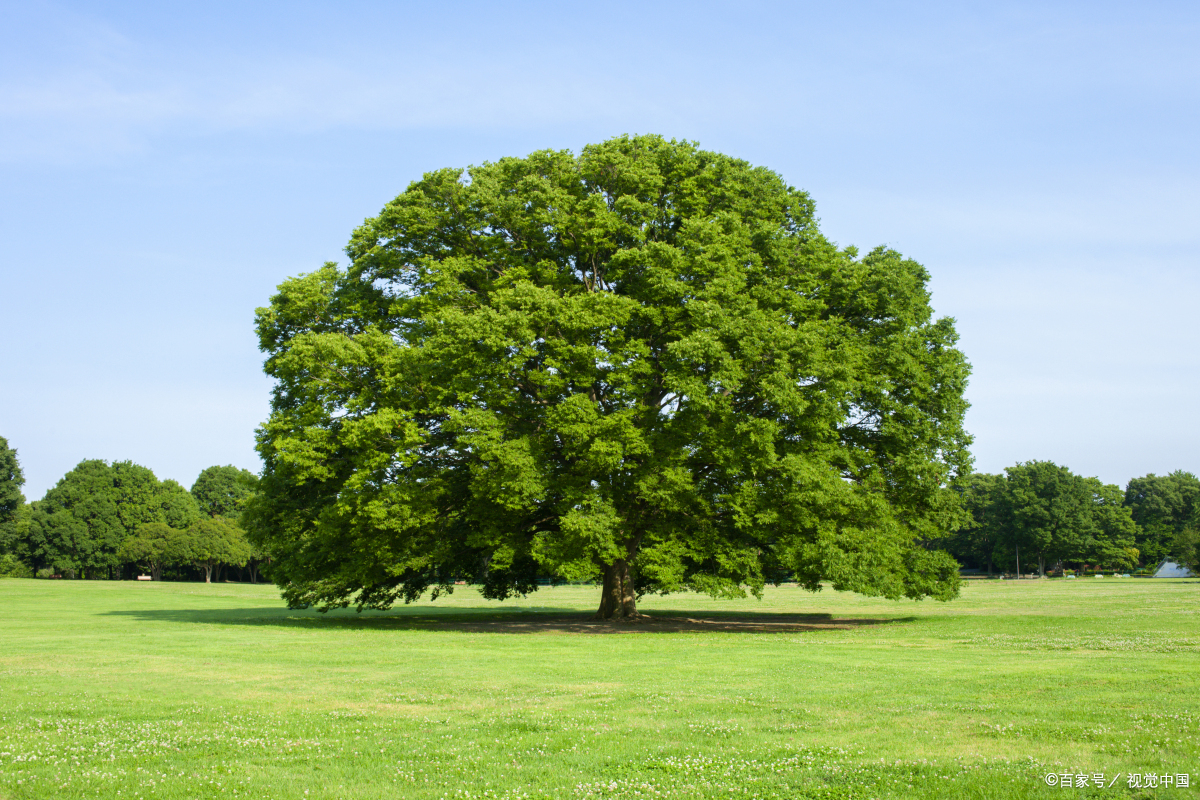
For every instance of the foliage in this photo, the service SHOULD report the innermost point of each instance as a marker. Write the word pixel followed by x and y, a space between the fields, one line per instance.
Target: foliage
pixel 974 544
pixel 1186 548
pixel 1048 514
pixel 155 545
pixel 643 364
pixel 224 491
pixel 1163 508
pixel 1112 535
pixel 212 541
pixel 11 481
pixel 11 567
pixel 173 504
pixel 14 534
pixel 12 502
pixel 82 521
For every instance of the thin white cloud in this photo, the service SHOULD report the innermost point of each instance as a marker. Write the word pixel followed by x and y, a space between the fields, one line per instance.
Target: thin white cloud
pixel 86 113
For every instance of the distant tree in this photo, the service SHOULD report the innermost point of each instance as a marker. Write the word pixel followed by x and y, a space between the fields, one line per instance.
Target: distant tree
pixel 14 535
pixel 12 502
pixel 136 494
pixel 1163 508
pixel 76 526
pixel 975 543
pixel 18 538
pixel 1047 513
pixel 1111 539
pixel 153 546
pixel 1186 548
pixel 224 491
pixel 213 541
pixel 81 522
pixel 258 557
pixel 176 505
pixel 11 481
pixel 13 567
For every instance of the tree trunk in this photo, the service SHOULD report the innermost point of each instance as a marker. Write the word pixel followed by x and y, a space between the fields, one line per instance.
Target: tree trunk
pixel 156 570
pixel 207 572
pixel 254 572
pixel 617 598
pixel 1041 566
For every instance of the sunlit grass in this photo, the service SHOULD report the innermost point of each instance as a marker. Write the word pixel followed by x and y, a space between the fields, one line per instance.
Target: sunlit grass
pixel 183 690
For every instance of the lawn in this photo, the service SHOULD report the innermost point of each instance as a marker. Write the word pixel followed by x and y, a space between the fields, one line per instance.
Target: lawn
pixel 181 690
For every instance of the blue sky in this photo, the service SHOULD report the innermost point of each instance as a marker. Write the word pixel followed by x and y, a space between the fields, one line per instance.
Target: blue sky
pixel 163 168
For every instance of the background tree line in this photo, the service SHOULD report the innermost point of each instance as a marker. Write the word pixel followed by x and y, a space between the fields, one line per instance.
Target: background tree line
pixel 104 521
pixel 102 518
pixel 1051 518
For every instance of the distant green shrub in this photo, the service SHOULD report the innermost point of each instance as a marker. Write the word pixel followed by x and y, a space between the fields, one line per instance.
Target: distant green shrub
pixel 11 567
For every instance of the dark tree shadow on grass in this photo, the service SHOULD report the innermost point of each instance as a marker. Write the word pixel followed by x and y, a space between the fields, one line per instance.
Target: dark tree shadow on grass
pixel 552 620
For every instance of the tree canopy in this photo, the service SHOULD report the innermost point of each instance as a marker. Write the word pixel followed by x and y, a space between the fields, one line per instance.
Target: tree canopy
pixel 1048 512
pixel 1049 515
pixel 11 481
pixel 984 527
pixel 223 491
pixel 12 502
pixel 1166 508
pixel 210 542
pixel 153 546
pixel 642 364
pixel 82 521
pixel 1187 548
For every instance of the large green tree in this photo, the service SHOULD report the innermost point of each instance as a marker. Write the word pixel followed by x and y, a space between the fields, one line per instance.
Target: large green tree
pixel 643 364
pixel 82 521
pixel 12 501
pixel 1164 507
pixel 224 491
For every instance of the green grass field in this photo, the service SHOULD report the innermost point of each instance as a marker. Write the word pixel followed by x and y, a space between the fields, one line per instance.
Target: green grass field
pixel 180 690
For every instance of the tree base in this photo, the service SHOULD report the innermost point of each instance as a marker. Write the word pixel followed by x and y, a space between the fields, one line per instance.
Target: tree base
pixel 618 601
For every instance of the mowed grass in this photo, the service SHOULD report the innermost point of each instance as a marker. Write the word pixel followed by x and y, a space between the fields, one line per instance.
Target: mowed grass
pixel 180 690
